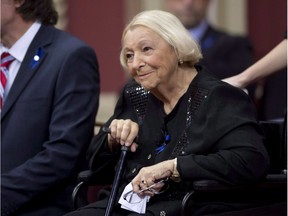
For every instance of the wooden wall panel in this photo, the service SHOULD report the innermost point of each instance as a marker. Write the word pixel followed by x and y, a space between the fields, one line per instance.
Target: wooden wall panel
pixel 100 24
pixel 267 23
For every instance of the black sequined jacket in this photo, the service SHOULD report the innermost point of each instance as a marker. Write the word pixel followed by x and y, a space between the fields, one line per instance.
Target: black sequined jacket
pixel 213 133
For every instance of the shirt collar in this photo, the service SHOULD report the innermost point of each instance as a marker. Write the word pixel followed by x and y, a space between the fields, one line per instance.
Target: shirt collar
pixel 198 31
pixel 19 49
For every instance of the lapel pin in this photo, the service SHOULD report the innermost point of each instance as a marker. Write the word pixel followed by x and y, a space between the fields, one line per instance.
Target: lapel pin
pixel 36 58
pixel 38 55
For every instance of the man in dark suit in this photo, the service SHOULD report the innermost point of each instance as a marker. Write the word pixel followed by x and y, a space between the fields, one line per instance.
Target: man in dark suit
pixel 49 106
pixel 223 54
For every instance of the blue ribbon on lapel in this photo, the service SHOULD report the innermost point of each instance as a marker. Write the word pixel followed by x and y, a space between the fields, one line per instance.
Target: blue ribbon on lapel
pixel 167 139
pixel 37 57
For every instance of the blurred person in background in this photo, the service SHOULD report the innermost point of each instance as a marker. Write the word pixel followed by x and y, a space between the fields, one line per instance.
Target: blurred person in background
pixel 226 55
pixel 49 100
pixel 223 54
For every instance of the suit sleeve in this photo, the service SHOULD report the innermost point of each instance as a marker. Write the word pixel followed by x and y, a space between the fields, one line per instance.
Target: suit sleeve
pixel 72 117
pixel 229 56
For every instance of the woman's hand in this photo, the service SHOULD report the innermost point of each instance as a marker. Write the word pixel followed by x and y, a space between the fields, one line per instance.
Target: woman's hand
pixel 123 132
pixel 148 176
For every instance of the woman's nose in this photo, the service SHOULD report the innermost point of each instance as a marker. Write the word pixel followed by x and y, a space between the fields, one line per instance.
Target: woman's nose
pixel 137 62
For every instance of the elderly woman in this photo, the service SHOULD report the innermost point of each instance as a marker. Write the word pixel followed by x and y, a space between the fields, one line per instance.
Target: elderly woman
pixel 180 123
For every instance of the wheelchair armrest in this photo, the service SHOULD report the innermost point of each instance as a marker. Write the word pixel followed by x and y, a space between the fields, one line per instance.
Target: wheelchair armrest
pixel 203 188
pixel 271 181
pixel 87 178
pixel 210 185
pixel 92 178
pixel 267 190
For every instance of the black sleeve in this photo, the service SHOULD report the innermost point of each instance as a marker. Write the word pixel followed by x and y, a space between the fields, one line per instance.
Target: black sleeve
pixel 234 150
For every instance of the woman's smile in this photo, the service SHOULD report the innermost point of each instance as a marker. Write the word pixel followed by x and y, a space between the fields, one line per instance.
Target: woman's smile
pixel 145 75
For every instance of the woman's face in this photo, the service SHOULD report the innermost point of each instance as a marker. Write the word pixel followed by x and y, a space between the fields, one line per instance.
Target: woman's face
pixel 151 60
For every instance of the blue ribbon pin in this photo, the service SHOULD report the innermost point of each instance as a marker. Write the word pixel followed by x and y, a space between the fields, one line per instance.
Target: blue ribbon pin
pixel 39 54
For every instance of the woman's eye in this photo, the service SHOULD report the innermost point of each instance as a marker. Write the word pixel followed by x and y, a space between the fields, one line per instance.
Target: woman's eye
pixel 129 56
pixel 145 49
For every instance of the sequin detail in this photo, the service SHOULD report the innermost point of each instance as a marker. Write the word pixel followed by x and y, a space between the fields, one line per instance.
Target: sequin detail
pixel 179 149
pixel 194 102
pixel 139 98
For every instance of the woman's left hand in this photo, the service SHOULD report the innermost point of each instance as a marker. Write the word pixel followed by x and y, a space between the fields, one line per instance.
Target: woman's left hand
pixel 148 176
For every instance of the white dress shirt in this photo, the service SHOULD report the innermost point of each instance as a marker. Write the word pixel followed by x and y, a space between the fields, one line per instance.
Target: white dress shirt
pixel 18 51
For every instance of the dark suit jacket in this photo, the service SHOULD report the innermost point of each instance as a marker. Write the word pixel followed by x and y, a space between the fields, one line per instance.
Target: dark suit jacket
pixel 225 55
pixel 46 124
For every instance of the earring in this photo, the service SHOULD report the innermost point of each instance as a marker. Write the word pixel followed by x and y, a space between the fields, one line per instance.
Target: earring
pixel 180 61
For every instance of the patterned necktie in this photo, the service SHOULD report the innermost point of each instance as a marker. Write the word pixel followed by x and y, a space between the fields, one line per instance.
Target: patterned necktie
pixel 6 60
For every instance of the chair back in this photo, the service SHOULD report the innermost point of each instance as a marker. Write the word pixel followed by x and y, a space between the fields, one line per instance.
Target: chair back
pixel 276 144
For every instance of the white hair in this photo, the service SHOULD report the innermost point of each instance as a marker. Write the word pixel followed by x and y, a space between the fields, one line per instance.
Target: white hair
pixel 169 27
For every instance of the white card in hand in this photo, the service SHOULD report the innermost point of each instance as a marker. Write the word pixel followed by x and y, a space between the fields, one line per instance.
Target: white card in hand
pixel 133 202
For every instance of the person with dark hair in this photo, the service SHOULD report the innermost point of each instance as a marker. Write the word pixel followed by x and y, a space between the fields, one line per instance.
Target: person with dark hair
pixel 49 100
pixel 44 11
pixel 180 123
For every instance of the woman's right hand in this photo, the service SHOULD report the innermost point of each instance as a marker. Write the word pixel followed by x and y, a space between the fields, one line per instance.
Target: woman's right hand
pixel 123 132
